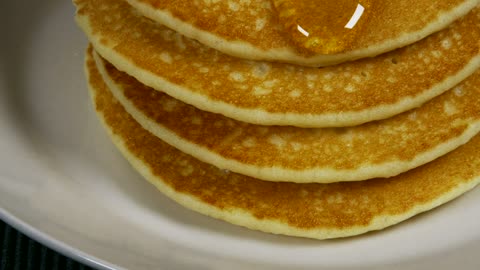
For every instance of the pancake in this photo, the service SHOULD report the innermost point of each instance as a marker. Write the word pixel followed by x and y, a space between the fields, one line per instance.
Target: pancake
pixel 378 149
pixel 307 210
pixel 250 29
pixel 281 94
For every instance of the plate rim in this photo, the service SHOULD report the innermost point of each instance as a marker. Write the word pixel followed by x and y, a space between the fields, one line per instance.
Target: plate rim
pixel 73 251
pixel 55 244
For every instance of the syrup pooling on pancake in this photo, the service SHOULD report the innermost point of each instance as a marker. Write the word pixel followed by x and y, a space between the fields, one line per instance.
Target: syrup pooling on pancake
pixel 251 29
pixel 326 26
pixel 279 94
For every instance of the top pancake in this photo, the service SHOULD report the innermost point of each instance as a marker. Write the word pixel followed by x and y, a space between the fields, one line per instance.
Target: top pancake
pixel 280 94
pixel 250 30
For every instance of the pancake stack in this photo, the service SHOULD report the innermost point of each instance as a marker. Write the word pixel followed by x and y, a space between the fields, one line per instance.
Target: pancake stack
pixel 215 104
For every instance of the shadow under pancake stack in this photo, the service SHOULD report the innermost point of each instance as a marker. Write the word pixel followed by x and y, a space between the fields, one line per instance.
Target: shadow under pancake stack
pixel 250 112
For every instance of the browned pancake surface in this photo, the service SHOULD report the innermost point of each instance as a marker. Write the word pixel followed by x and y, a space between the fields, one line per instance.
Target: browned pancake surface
pixel 281 94
pixel 378 149
pixel 250 29
pixel 311 210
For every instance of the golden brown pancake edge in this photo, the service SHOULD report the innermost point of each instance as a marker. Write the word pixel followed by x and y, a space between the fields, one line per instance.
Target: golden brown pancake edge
pixel 285 208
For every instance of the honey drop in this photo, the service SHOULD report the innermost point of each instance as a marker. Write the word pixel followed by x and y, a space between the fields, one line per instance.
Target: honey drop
pixel 323 26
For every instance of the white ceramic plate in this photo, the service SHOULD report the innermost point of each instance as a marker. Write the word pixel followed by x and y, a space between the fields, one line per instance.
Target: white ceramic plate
pixel 63 183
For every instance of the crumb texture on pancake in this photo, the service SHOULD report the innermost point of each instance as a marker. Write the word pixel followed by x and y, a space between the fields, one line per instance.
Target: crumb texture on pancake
pixel 378 149
pixel 308 210
pixel 250 29
pixel 281 94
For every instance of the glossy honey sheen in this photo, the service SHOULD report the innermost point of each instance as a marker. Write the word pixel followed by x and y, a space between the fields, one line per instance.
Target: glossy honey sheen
pixel 323 26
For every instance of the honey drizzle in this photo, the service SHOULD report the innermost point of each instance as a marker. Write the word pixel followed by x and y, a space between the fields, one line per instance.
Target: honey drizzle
pixel 323 26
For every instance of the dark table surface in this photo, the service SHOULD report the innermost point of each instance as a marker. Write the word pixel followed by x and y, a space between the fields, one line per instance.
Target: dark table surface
pixel 18 252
